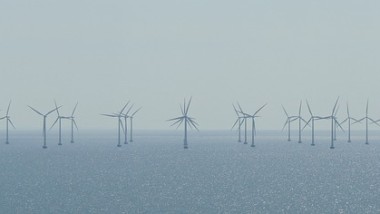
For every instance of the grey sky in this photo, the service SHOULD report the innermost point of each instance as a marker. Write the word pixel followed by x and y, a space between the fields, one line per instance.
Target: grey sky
pixel 155 53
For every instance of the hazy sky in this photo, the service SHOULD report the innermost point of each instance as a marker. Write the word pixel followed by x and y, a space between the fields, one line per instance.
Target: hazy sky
pixel 155 53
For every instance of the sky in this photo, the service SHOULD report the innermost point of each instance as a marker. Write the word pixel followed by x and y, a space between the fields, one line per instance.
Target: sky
pixel 156 53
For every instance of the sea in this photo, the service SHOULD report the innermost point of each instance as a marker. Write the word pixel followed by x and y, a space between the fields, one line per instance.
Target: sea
pixel 216 174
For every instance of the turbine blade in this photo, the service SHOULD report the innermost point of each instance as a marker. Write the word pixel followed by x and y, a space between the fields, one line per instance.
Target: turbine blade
pixel 188 106
pixel 348 111
pixel 366 111
pixel 344 121
pixel 358 121
pixel 125 106
pixel 180 122
pixel 56 107
pixel 177 118
pixel 236 122
pixel 75 108
pixel 136 111
pixel 299 110
pixel 337 110
pixel 121 124
pixel 9 105
pixel 75 124
pixel 307 124
pixel 241 110
pixel 259 109
pixel 10 121
pixel 236 111
pixel 339 125
pixel 308 107
pixel 130 108
pixel 52 111
pixel 109 115
pixel 286 123
pixel 36 111
pixel 54 123
pixel 336 103
pixel 286 113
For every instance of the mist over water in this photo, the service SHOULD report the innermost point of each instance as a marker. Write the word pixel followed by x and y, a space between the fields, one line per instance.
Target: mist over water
pixel 216 174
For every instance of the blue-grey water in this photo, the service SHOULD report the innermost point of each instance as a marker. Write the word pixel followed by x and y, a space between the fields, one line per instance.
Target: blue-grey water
pixel 154 174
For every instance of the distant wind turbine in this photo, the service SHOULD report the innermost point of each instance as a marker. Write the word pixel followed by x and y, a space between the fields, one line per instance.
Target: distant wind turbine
pixel 126 116
pixel 239 121
pixel 119 123
pixel 333 123
pixel 253 123
pixel 73 123
pixel 7 122
pixel 188 121
pixel 245 118
pixel 348 120
pixel 131 123
pixel 366 118
pixel 312 119
pixel 44 122
pixel 300 119
pixel 289 119
pixel 59 120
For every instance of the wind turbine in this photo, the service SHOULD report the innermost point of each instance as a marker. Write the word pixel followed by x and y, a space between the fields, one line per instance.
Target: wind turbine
pixel 333 122
pixel 44 122
pixel 253 123
pixel 7 121
pixel 312 119
pixel 366 118
pixel 289 119
pixel 188 121
pixel 73 123
pixel 119 124
pixel 239 121
pixel 59 120
pixel 300 119
pixel 126 116
pixel 245 123
pixel 131 122
pixel 348 119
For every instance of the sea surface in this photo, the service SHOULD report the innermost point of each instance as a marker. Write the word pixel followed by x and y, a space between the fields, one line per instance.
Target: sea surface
pixel 154 174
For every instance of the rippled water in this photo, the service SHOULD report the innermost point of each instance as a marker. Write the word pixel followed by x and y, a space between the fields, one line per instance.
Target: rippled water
pixel 216 174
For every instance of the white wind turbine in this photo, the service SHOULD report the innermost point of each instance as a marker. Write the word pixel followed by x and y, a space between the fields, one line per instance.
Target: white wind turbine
pixel 44 122
pixel 366 118
pixel 59 120
pixel 7 122
pixel 334 122
pixel 119 123
pixel 348 120
pixel 73 123
pixel 131 122
pixel 188 121
pixel 126 116
pixel 312 120
pixel 239 121
pixel 244 119
pixel 289 119
pixel 253 123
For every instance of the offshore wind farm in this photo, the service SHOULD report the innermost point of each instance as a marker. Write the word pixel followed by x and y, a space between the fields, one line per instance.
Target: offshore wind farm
pixel 279 110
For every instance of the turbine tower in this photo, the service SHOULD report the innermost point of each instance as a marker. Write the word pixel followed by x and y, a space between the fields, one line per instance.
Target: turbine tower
pixel 188 121
pixel 7 122
pixel 126 116
pixel 59 120
pixel 253 123
pixel 289 119
pixel 44 122
pixel 244 119
pixel 300 119
pixel 312 120
pixel 239 121
pixel 348 120
pixel 119 124
pixel 131 122
pixel 334 122
pixel 366 118
pixel 73 123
